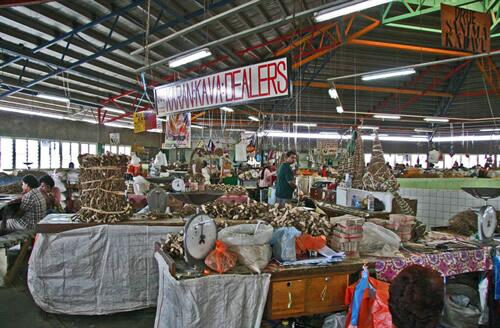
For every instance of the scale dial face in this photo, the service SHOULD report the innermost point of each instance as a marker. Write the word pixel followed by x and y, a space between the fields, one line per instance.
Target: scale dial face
pixel 200 234
pixel 178 185
pixel 488 220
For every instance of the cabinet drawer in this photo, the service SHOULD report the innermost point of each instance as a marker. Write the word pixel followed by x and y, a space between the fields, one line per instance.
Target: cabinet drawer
pixel 326 294
pixel 287 298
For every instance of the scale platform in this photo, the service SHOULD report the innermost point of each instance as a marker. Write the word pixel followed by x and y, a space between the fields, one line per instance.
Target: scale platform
pixel 483 193
pixel 196 197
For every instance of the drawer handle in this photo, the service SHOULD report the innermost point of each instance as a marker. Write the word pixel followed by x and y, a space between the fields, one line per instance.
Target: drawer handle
pixel 289 300
pixel 323 293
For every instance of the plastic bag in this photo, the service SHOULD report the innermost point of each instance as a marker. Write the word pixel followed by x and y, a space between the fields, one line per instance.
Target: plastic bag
pixel 134 160
pixel 221 259
pixel 161 159
pixel 483 301
pixel 307 242
pixel 246 234
pixel 283 243
pixel 461 307
pixel 379 241
pixel 255 257
pixel 368 301
pixel 336 320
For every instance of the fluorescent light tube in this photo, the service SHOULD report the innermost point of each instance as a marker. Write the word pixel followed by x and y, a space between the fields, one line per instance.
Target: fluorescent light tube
pixel 418 136
pixel 437 119
pixel 236 130
pixel 114 110
pixel 88 120
pixel 424 130
pixel 335 12
pixel 189 58
pixel 118 125
pixel 329 133
pixel 227 109
pixel 197 126
pixel 387 116
pixel 340 110
pixel 384 75
pixel 466 138
pixel 333 93
pixel 490 130
pixel 309 125
pixel 381 135
pixel 273 131
pixel 368 127
pixel 157 130
pixel 29 112
pixel 253 118
pixel 51 97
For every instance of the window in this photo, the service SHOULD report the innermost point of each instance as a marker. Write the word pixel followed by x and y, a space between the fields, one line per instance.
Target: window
pixel 26 154
pixel 6 154
pixel 368 157
pixel 92 149
pixel 84 148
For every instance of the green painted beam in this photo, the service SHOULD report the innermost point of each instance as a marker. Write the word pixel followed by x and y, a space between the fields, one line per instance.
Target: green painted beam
pixel 430 6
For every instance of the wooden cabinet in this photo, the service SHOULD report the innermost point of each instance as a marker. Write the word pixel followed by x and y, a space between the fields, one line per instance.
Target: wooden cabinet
pixel 288 297
pixel 306 295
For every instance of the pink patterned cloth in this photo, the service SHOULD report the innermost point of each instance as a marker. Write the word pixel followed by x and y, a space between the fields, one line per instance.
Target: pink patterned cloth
pixel 446 263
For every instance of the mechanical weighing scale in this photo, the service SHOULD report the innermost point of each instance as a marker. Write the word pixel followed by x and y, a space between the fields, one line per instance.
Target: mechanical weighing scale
pixel 200 231
pixel 158 196
pixel 486 214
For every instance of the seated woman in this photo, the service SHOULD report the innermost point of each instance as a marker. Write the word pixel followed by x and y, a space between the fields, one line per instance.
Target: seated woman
pixel 32 208
pixel 416 298
pixel 51 193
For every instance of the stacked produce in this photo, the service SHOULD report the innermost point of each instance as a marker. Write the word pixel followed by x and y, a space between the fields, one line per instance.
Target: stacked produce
pixel 173 245
pixel 359 162
pixel 228 189
pixel 402 225
pixel 306 221
pixel 347 234
pixel 102 188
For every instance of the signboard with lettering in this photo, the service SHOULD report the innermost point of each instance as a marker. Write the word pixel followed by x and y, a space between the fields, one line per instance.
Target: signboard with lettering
pixel 178 131
pixel 144 121
pixel 464 29
pixel 264 80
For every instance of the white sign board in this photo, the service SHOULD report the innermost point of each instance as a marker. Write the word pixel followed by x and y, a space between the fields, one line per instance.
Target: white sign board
pixel 264 80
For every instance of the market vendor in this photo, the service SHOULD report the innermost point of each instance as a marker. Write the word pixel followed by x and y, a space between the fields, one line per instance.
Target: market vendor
pixel 51 193
pixel 32 208
pixel 285 183
pixel 205 171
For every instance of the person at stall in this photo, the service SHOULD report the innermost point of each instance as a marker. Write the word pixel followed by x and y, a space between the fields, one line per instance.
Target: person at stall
pixel 324 171
pixel 455 166
pixel 51 193
pixel 71 165
pixel 205 171
pixel 26 211
pixel 285 184
pixel 416 298
pixel 265 181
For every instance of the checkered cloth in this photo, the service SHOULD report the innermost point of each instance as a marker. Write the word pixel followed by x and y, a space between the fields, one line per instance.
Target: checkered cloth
pixel 34 207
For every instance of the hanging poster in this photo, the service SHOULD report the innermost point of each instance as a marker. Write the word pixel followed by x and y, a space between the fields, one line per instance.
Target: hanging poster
pixel 144 121
pixel 178 131
pixel 464 29
pixel 114 138
pixel 264 80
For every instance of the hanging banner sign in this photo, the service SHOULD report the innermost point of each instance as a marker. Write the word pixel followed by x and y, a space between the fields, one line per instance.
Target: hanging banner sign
pixel 144 121
pixel 269 79
pixel 178 131
pixel 464 29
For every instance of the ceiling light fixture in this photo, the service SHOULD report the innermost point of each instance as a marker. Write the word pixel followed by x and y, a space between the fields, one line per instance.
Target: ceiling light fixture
pixel 114 110
pixel 118 125
pixel 368 127
pixel 52 97
pixel 197 126
pixel 29 112
pixel 182 60
pixel 340 110
pixel 338 11
pixel 388 74
pixel 253 118
pixel 333 93
pixel 236 130
pixel 387 117
pixel 308 125
pixel 329 133
pixel 467 138
pixel 490 130
pixel 418 136
pixel 227 109
pixel 424 130
pixel 436 119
